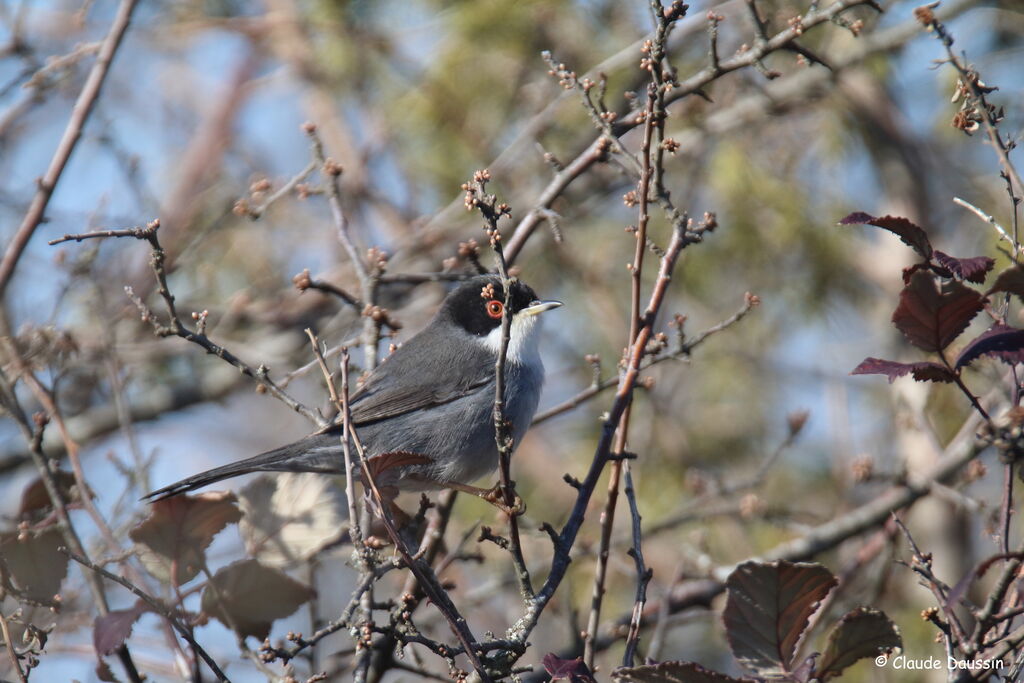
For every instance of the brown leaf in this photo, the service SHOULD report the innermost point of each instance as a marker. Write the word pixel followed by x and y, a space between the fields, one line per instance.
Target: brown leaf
pixel 178 531
pixel 33 563
pixel 35 501
pixel 248 597
pixel 767 610
pixel 111 630
pixel 288 518
pixel 379 464
pixel 929 318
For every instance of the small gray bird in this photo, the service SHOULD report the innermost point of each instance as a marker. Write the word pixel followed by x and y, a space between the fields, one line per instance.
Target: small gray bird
pixel 432 399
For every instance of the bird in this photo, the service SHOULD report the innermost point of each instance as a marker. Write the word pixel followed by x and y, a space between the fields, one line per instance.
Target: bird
pixel 425 414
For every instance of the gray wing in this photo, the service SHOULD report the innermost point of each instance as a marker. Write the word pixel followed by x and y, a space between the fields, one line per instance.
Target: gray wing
pixel 424 372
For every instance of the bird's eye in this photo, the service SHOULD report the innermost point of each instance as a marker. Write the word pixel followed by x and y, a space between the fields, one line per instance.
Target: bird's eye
pixel 495 308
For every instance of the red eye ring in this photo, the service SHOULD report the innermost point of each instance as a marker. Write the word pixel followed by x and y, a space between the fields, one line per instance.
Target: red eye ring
pixel 495 308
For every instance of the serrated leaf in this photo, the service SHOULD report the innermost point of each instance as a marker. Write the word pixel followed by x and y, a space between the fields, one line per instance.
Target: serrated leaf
pixel 672 672
pixel 572 670
pixel 972 269
pixel 1011 281
pixel 288 518
pixel 864 632
pixel 767 610
pixel 924 371
pixel 912 235
pixel 930 318
pixel 1000 341
pixel 178 531
pixel 111 630
pixel 248 597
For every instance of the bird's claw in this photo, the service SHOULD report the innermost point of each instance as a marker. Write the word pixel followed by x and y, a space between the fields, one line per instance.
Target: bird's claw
pixel 496 497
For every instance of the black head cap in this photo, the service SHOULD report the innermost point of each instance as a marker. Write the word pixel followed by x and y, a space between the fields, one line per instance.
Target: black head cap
pixel 476 304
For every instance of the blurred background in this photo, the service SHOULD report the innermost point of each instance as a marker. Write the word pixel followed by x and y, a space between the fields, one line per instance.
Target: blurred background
pixel 200 122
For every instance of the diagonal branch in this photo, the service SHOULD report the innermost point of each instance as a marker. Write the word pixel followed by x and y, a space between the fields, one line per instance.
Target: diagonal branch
pixel 72 133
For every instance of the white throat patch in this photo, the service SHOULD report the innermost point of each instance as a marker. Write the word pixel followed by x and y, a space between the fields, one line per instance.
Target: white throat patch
pixel 524 335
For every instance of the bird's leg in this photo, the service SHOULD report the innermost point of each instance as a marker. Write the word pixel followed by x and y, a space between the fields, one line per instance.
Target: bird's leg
pixel 494 495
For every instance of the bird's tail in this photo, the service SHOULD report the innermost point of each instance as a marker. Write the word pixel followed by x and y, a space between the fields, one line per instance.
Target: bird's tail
pixel 312 454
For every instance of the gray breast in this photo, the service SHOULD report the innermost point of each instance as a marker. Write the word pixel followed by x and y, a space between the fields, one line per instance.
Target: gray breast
pixel 457 436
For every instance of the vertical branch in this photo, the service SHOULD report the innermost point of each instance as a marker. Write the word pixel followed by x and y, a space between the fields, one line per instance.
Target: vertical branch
pixel 365 557
pixel 636 271
pixel 476 196
pixel 35 439
pixel 643 574
pixel 423 573
pixel 369 278
pixel 364 652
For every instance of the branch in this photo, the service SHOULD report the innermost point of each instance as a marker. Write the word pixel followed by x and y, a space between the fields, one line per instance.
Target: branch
pixel 373 316
pixel 596 150
pixel 477 197
pixel 643 574
pixel 156 606
pixel 175 327
pixel 567 537
pixel 72 133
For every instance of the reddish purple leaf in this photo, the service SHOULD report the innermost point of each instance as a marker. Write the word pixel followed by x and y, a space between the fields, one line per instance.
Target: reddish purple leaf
pixel 912 235
pixel 909 271
pixel 1000 341
pixel 859 634
pixel 573 670
pixel 768 608
pixel 924 371
pixel 1010 280
pixel 109 631
pixel 929 318
pixel 971 269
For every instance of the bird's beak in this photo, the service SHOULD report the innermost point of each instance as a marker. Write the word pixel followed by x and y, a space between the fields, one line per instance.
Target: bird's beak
pixel 536 307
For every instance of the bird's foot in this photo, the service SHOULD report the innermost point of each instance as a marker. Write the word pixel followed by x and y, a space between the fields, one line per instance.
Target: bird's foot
pixel 496 497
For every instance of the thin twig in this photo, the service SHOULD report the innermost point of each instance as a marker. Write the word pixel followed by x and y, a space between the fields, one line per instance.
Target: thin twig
pixel 156 606
pixel 988 219
pixel 72 133
pixel 175 326
pixel 477 197
pixel 369 278
pixel 11 652
pixel 424 574
pixel 257 211
pixel 567 536
pixel 643 574
pixel 597 149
